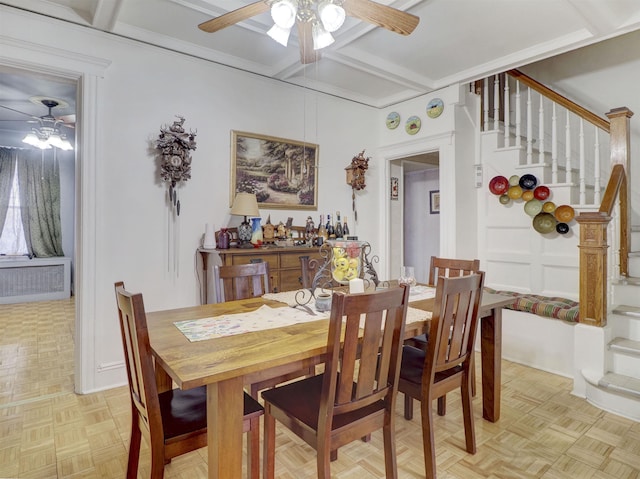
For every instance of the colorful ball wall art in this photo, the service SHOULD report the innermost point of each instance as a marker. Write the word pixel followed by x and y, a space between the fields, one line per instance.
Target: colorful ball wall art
pixel 546 216
pixel 498 185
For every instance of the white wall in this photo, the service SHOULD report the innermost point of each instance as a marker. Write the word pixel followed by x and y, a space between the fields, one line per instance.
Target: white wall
pixel 421 228
pixel 455 140
pixel 144 88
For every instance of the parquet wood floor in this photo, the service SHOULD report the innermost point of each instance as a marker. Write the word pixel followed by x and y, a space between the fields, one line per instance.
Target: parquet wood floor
pixel 47 431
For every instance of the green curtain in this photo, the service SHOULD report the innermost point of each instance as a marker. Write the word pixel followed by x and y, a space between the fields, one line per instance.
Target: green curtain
pixel 7 170
pixel 39 184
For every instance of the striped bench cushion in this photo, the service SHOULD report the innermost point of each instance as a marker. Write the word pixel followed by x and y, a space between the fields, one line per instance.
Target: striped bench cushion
pixel 547 306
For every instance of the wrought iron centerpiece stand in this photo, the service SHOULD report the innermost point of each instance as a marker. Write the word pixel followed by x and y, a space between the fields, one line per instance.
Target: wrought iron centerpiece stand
pixel 340 261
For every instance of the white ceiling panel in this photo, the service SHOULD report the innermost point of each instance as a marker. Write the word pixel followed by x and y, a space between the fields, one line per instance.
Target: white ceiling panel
pixel 455 41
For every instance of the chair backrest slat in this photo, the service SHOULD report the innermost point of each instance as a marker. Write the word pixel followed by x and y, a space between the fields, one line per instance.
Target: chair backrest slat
pixel 363 350
pixel 451 268
pixel 138 359
pixel 241 281
pixel 454 321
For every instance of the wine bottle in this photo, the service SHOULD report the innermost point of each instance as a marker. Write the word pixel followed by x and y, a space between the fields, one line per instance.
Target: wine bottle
pixel 345 227
pixel 330 231
pixel 338 227
pixel 322 230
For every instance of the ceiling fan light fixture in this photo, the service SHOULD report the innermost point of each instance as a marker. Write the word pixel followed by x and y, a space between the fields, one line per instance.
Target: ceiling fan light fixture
pixel 56 140
pixel 321 37
pixel 31 139
pixel 331 15
pixel 279 34
pixel 47 135
pixel 284 13
pixel 65 145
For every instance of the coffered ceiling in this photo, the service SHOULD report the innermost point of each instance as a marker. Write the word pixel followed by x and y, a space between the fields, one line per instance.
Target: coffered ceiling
pixel 456 40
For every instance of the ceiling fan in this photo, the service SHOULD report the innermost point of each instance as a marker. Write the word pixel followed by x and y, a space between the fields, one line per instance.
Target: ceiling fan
pixel 315 20
pixel 47 134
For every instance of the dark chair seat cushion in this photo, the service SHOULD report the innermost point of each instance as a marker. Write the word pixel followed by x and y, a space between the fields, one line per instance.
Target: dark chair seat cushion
pixel 420 341
pixel 184 412
pixel 302 400
pixel 413 365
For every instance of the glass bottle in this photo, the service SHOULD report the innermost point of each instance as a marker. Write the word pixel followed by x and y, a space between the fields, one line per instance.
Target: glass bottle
pixel 338 227
pixel 330 231
pixel 322 230
pixel 223 239
pixel 345 227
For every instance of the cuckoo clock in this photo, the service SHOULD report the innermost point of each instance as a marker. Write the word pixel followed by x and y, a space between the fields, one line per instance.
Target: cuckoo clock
pixel 355 177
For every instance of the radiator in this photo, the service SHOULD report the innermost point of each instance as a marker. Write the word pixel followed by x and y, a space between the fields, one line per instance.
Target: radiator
pixel 38 279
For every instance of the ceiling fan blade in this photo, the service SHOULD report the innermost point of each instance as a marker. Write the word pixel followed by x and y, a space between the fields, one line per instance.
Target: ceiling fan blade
pixel 67 120
pixel 307 53
pixel 18 111
pixel 382 15
pixel 233 17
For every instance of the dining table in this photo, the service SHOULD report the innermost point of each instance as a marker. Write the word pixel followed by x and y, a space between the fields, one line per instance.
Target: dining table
pixel 226 363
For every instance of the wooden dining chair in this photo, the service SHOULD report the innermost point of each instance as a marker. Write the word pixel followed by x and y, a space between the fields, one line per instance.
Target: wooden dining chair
pixel 241 281
pixel 356 394
pixel 244 281
pixel 446 365
pixel 173 422
pixel 449 268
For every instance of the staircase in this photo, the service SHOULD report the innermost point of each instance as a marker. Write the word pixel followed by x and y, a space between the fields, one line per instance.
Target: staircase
pixel 552 138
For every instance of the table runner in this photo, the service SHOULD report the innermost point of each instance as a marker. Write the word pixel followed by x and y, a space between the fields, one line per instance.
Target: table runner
pixel 266 317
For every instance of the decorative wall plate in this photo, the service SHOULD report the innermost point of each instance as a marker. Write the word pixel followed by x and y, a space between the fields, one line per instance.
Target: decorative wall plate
pixel 413 125
pixel 435 108
pixel 393 120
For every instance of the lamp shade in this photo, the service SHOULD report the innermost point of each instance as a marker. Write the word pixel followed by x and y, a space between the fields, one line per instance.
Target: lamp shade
pixel 321 37
pixel 331 15
pixel 283 13
pixel 31 139
pixel 279 34
pixel 245 204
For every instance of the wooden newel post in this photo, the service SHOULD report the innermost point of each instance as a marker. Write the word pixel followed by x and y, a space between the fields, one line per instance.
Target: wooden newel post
pixel 593 267
pixel 620 147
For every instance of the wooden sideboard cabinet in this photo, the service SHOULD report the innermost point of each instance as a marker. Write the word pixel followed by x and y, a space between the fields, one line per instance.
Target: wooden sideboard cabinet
pixel 284 265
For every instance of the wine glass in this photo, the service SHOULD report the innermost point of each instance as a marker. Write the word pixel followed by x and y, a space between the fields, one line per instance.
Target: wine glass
pixel 407 276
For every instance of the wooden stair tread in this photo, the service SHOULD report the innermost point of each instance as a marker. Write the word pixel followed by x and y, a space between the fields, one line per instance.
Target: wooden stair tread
pixel 614 382
pixel 624 345
pixel 627 310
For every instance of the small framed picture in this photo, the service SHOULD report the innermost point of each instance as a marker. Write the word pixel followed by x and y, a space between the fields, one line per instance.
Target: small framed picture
pixel 394 188
pixel 434 202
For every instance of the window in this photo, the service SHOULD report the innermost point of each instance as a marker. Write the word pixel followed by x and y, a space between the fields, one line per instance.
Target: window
pixel 12 241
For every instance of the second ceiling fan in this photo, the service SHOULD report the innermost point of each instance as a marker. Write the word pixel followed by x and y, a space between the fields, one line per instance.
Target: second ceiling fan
pixel 315 20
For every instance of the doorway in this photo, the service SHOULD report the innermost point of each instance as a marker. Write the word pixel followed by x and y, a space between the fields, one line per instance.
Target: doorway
pixel 417 210
pixel 20 107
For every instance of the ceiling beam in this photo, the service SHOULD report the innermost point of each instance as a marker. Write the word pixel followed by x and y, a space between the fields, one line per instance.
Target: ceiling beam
pixel 106 14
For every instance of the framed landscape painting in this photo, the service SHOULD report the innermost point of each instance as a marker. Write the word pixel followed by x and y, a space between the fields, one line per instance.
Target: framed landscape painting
pixel 281 173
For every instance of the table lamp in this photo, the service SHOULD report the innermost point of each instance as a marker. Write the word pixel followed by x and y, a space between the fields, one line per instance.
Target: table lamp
pixel 245 204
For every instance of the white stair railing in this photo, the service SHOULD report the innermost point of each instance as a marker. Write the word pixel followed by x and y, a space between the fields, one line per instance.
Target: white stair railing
pixel 573 159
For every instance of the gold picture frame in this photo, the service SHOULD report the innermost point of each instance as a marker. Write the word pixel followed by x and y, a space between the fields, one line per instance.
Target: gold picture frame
pixel 282 173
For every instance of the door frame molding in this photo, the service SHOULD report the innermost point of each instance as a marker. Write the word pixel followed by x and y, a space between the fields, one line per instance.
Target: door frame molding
pixel 443 144
pixel 88 72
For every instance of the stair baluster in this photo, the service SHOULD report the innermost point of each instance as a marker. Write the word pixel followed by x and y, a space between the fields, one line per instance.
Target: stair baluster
pixel 554 144
pixel 529 129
